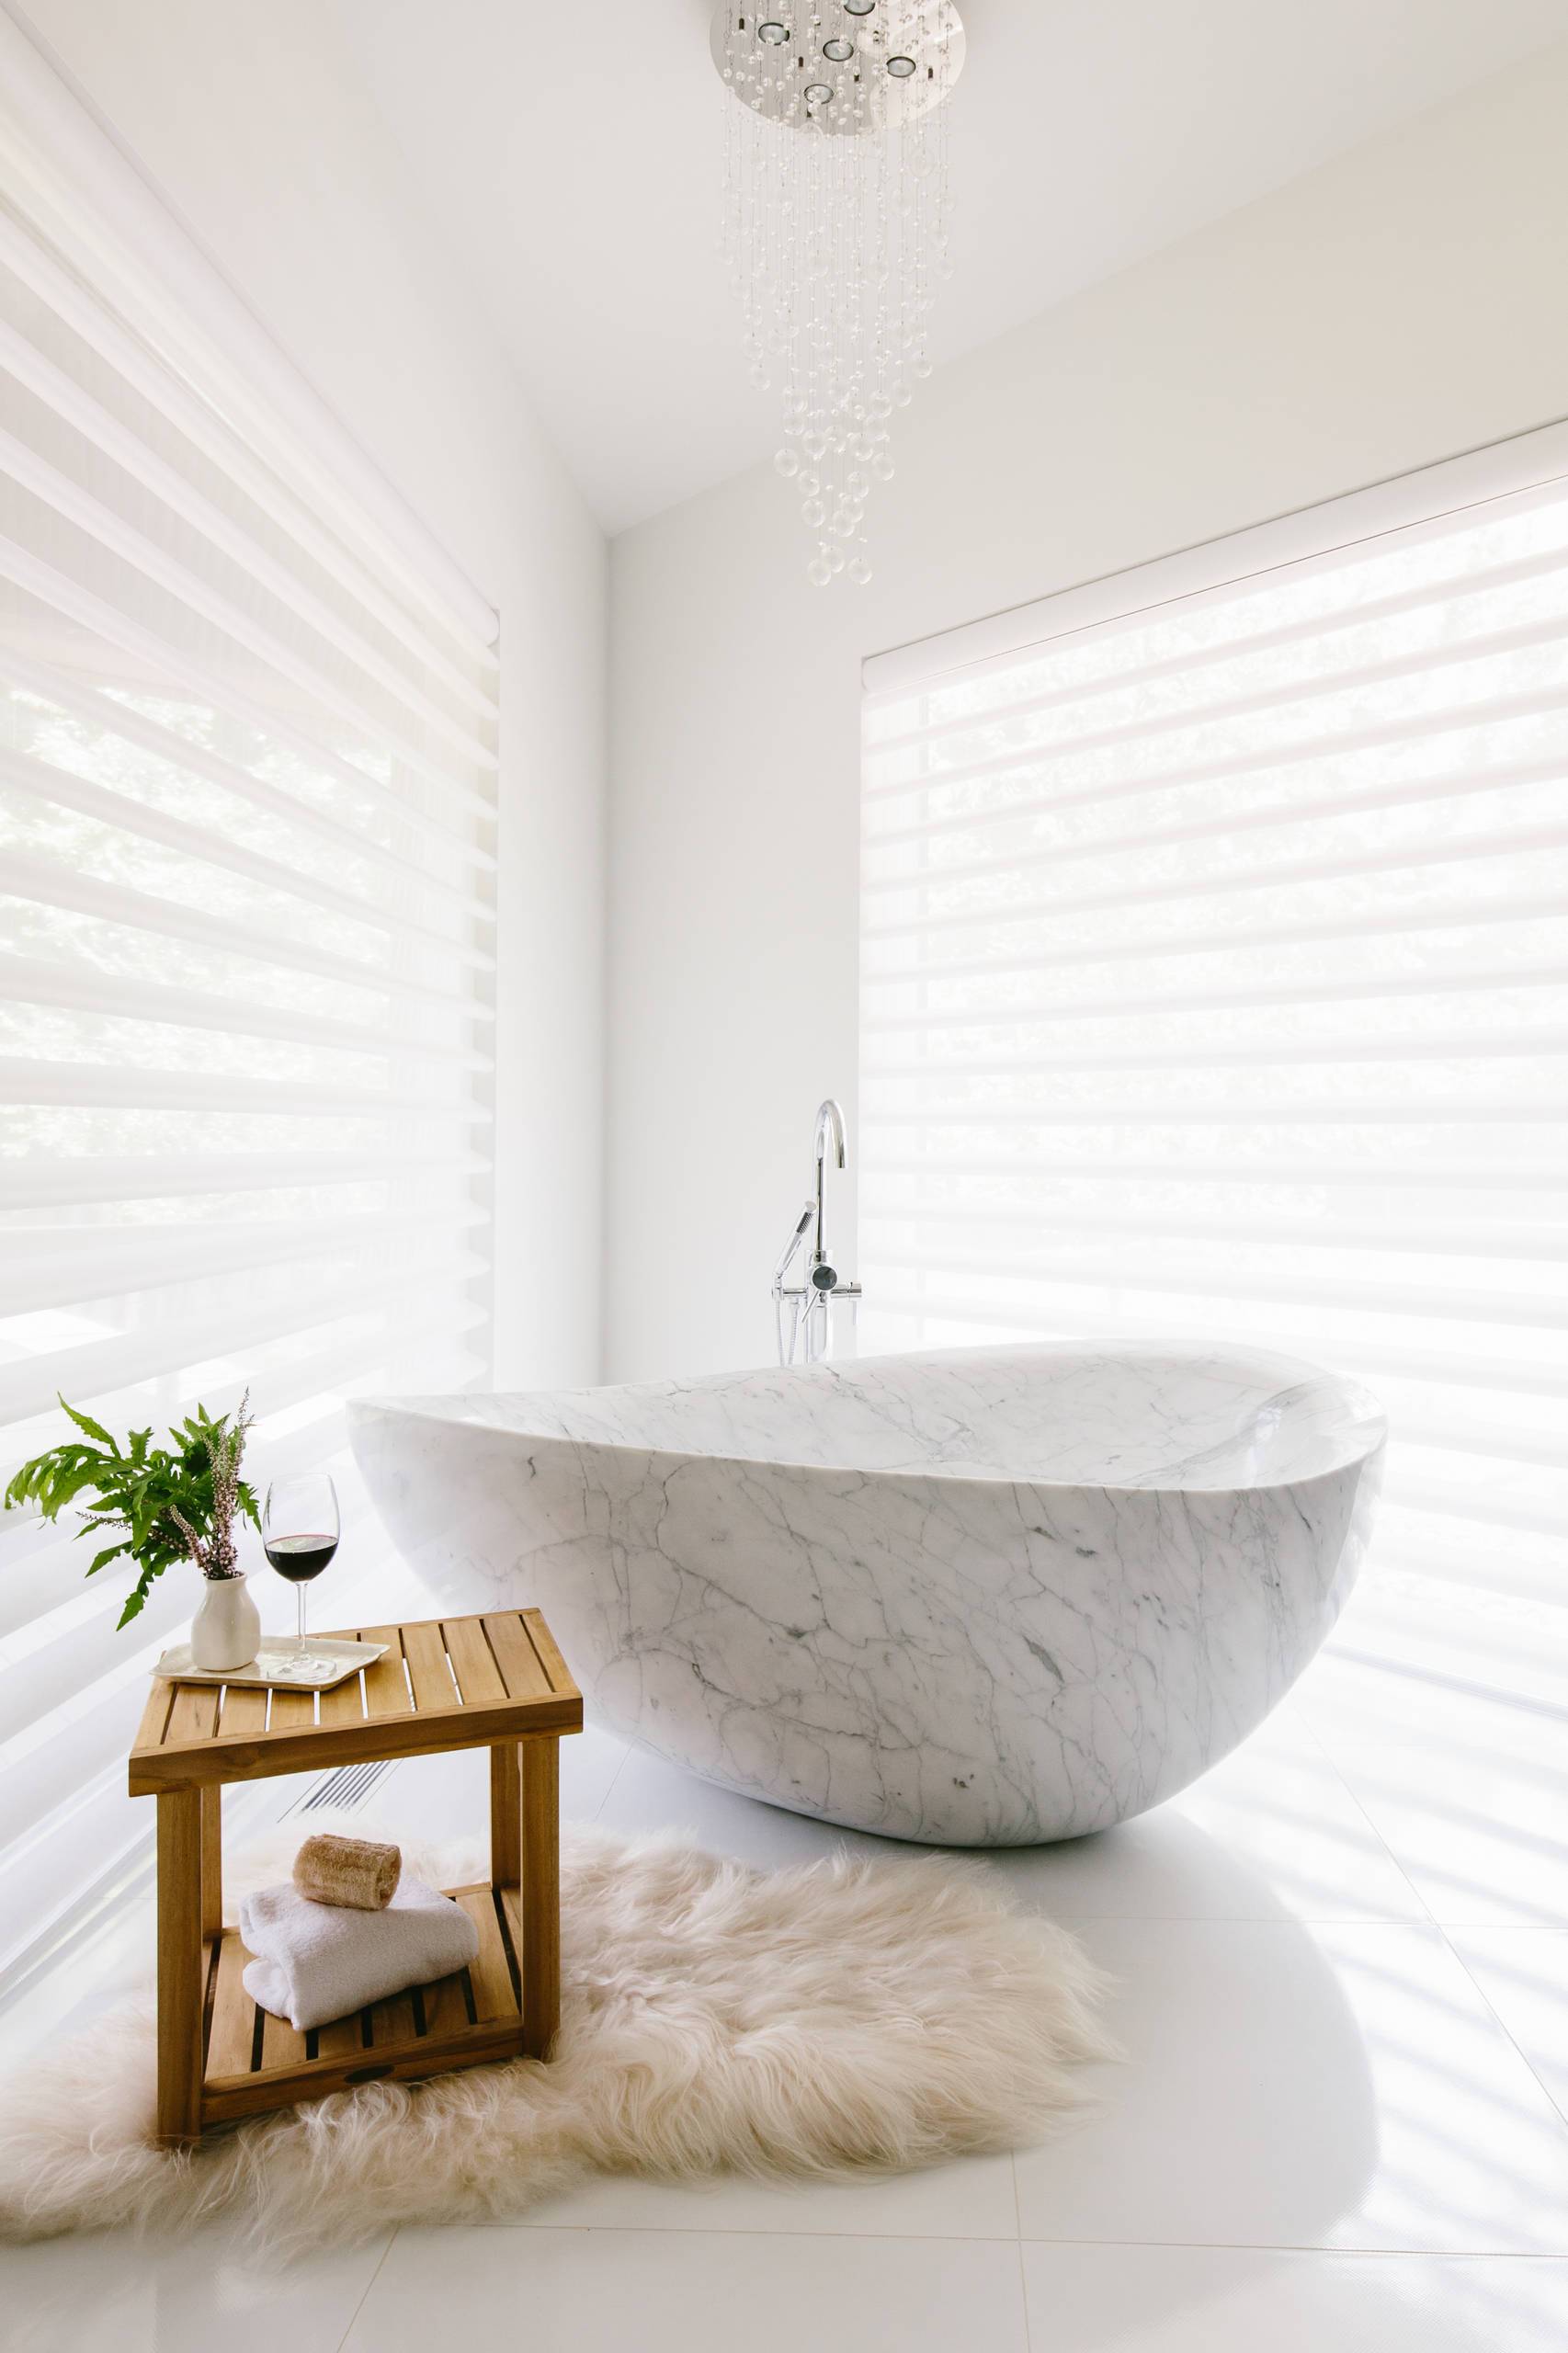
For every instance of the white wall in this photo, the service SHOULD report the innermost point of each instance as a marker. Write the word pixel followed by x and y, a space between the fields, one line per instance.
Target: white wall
pixel 256 131
pixel 1401 304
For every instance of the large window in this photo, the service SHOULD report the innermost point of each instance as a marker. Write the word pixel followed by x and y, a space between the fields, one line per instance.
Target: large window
pixel 247 764
pixel 1215 980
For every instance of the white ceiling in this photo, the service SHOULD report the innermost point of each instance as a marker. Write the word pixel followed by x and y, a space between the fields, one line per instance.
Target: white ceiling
pixel 573 155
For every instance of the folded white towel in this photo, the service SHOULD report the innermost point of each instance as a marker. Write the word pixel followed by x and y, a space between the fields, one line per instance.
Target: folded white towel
pixel 319 1961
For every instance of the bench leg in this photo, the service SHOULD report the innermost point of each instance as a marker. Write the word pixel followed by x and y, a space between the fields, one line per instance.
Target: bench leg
pixel 505 1818
pixel 180 1822
pixel 541 1905
pixel 212 1860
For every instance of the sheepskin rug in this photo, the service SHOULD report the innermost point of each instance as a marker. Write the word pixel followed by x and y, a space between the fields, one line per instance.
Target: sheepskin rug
pixel 786 2025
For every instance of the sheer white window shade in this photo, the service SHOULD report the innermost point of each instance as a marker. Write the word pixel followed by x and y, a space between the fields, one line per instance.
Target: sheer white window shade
pixel 1215 979
pixel 247 771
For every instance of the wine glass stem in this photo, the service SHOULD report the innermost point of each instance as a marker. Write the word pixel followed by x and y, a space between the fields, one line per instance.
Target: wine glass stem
pixel 300 1605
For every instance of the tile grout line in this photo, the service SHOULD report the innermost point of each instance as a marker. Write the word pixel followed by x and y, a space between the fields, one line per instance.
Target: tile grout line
pixel 968 2238
pixel 614 1781
pixel 1319 2249
pixel 1526 1928
pixel 923 2236
pixel 359 2306
pixel 1427 1915
pixel 1018 2231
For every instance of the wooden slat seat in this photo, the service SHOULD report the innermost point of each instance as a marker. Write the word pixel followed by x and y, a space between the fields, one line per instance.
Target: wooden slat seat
pixel 443 1684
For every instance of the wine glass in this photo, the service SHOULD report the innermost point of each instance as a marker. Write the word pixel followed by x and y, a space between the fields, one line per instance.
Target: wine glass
pixel 299 1534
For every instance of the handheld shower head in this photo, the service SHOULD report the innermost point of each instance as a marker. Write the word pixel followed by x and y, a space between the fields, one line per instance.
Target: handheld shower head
pixel 798 1234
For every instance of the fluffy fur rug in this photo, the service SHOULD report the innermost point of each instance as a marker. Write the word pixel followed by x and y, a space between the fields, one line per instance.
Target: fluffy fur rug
pixel 714 2018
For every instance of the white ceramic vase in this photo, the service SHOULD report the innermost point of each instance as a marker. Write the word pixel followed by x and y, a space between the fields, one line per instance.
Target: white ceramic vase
pixel 225 1632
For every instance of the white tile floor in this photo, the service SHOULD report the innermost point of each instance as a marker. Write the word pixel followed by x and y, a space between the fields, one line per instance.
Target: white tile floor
pixel 1342 2127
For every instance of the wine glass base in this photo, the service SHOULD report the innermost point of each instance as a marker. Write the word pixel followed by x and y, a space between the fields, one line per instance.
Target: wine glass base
pixel 304 1656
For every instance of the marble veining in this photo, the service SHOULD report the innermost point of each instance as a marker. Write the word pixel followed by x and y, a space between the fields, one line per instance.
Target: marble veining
pixel 981 1597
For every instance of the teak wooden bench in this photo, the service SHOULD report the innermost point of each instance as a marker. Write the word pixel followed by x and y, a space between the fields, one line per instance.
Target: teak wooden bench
pixel 496 1681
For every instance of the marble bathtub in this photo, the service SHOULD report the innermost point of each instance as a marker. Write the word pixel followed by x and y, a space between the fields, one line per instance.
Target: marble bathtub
pixel 981 1598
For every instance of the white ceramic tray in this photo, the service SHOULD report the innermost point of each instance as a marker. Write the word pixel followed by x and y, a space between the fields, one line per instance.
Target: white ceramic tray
pixel 277 1666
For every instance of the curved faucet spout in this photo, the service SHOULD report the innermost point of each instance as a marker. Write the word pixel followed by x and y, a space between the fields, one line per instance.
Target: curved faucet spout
pixel 830 1121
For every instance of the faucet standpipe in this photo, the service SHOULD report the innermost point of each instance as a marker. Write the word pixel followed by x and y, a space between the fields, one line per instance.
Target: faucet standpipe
pixel 807 1302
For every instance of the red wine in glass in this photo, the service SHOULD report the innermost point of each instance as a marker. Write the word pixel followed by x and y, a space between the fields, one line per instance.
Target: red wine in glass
pixel 299 1535
pixel 301 1558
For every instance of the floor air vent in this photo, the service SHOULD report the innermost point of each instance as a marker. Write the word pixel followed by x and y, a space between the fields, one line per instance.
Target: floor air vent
pixel 349 1786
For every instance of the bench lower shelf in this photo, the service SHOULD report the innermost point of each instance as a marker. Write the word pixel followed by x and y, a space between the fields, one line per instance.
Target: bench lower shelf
pixel 254 2062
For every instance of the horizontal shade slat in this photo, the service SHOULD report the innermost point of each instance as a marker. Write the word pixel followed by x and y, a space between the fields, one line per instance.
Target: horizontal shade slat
pixel 38 1673
pixel 1491 1045
pixel 1221 825
pixel 1354 1354
pixel 1523 907
pixel 1299 751
pixel 61 789
pixel 1533 1309
pixel 1499 1239
pixel 1489 1176
pixel 1456 850
pixel 25 981
pixel 1453 1500
pixel 25 876
pixel 1436 591
pixel 1172 1112
pixel 163 659
pixel 62 1268
pixel 43 1764
pixel 91 1367
pixel 1151 726
pixel 22 1081
pixel 1415 1570
pixel 111 715
pixel 994 1012
pixel 45 1581
pixel 39 1183
pixel 1499 1441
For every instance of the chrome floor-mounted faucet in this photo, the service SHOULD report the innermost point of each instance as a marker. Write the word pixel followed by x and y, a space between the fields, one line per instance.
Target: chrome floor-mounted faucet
pixel 800 1310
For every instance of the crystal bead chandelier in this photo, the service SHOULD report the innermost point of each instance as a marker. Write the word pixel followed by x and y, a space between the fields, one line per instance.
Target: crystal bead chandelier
pixel 835 231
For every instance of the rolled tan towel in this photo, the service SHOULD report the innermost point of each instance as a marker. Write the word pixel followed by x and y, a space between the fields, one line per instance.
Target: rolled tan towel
pixel 353 1871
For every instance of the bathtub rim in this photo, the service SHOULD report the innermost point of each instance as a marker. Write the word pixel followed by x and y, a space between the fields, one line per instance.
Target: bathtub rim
pixel 1373 1429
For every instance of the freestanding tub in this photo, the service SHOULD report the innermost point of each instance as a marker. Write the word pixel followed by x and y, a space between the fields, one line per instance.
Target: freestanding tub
pixel 981 1598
